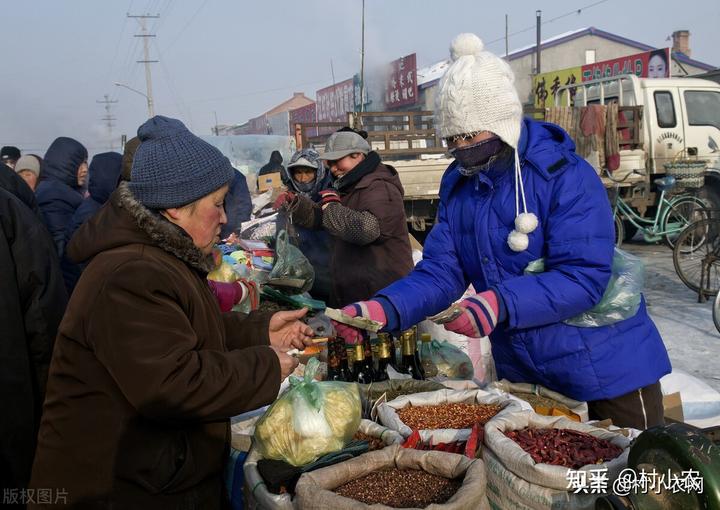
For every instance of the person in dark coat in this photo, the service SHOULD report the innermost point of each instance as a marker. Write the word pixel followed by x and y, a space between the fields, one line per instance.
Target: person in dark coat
pixel 365 215
pixel 103 178
pixel 274 165
pixel 59 193
pixel 238 205
pixel 306 175
pixel 517 192
pixel 131 147
pixel 146 370
pixel 11 182
pixel 32 303
pixel 9 155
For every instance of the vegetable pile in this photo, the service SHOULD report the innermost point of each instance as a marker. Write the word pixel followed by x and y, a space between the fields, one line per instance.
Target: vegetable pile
pixel 447 416
pixel 400 488
pixel 564 447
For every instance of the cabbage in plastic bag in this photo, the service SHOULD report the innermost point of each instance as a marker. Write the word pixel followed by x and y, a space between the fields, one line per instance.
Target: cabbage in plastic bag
pixel 310 419
pixel 622 296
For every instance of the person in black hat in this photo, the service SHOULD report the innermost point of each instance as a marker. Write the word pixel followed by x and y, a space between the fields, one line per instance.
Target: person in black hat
pixel 9 155
pixel 147 371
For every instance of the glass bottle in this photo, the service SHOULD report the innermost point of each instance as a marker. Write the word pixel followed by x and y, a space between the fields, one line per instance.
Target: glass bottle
pixel 333 360
pixel 409 361
pixel 384 359
pixel 426 362
pixel 362 367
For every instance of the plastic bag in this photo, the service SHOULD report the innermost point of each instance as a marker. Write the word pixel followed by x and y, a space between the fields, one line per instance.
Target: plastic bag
pixel 292 271
pixel 309 420
pixel 622 296
pixel 451 362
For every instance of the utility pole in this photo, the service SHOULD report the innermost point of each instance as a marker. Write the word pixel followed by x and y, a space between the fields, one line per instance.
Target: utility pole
pixel 108 118
pixel 506 37
pixel 538 19
pixel 362 62
pixel 146 57
pixel 216 124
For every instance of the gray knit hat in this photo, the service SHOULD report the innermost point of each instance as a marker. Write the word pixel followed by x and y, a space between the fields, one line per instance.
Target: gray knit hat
pixel 173 167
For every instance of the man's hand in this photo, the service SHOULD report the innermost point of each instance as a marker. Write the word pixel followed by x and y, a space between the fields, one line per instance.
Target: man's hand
pixel 287 363
pixel 479 317
pixel 287 331
pixel 372 310
pixel 284 200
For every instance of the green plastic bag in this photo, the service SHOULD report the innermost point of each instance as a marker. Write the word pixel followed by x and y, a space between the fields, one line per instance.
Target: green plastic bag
pixel 622 296
pixel 451 362
pixel 292 271
pixel 312 418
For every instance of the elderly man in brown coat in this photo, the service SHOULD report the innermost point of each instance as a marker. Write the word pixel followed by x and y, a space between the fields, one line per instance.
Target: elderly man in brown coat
pixel 146 369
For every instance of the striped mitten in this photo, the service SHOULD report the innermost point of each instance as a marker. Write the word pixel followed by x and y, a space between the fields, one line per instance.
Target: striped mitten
pixel 479 317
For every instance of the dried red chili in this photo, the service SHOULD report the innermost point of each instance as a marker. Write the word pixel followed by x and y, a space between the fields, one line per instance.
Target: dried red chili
pixel 564 447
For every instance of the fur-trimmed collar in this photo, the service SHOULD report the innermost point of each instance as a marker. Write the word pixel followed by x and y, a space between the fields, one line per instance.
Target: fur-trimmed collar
pixel 164 233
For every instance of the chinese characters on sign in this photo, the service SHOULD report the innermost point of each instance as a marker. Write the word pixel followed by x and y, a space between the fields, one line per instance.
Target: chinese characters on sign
pixel 335 101
pixel 401 85
pixel 650 64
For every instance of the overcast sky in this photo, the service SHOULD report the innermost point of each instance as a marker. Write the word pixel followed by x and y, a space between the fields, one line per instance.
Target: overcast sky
pixel 238 58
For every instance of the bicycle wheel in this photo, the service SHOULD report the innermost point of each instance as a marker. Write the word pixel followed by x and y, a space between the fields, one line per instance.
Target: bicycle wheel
pixel 619 231
pixel 696 256
pixel 683 210
pixel 716 312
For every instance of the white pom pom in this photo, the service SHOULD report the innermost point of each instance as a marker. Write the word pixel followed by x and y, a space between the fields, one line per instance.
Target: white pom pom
pixel 526 222
pixel 465 44
pixel 517 241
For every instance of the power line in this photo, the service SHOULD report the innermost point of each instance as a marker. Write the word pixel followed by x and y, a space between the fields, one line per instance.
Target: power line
pixel 533 27
pixel 177 36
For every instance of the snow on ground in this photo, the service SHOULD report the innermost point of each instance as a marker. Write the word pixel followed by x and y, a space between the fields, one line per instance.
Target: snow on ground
pixel 686 326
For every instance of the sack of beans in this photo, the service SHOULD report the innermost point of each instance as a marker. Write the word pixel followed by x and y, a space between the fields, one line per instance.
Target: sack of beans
pixel 534 460
pixel 396 478
pixel 445 415
pixel 258 496
pixel 544 401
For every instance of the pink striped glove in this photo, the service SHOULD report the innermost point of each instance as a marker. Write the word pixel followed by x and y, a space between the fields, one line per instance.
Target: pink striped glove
pixel 479 317
pixel 369 309
pixel 227 294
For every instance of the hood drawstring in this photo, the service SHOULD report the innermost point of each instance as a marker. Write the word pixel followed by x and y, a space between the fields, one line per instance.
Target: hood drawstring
pixel 525 222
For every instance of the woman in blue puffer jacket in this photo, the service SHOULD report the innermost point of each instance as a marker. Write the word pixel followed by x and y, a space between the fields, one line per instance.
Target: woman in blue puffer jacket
pixel 517 192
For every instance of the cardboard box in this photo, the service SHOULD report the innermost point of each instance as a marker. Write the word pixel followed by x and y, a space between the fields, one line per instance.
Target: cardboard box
pixel 267 181
pixel 672 407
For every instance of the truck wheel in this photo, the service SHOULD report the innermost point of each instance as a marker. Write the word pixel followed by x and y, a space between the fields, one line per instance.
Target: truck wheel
pixel 711 191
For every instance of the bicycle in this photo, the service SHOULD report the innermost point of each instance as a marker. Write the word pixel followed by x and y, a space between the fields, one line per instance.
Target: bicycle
pixel 672 215
pixel 696 255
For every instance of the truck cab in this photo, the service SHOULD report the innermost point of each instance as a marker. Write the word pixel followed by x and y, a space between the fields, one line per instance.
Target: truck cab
pixel 680 118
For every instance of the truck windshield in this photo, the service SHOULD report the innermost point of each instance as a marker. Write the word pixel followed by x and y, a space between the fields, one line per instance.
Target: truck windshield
pixel 703 107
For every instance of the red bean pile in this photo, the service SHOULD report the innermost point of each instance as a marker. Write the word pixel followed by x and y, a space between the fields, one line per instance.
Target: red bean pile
pixel 564 447
pixel 400 488
pixel 447 416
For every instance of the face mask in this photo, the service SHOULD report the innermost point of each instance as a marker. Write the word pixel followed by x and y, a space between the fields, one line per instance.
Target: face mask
pixel 304 187
pixel 473 157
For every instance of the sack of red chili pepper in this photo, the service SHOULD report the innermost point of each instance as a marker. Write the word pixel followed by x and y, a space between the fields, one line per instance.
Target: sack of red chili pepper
pixel 445 415
pixel 521 442
pixel 391 477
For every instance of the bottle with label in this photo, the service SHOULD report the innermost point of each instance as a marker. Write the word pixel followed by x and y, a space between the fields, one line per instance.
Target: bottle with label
pixel 426 362
pixel 409 361
pixel 384 359
pixel 362 367
pixel 333 360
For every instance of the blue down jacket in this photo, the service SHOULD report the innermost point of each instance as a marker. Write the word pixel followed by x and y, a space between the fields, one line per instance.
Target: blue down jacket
pixel 468 244
pixel 58 193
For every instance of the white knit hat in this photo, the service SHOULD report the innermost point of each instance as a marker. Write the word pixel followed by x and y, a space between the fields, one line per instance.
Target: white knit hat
pixel 477 93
